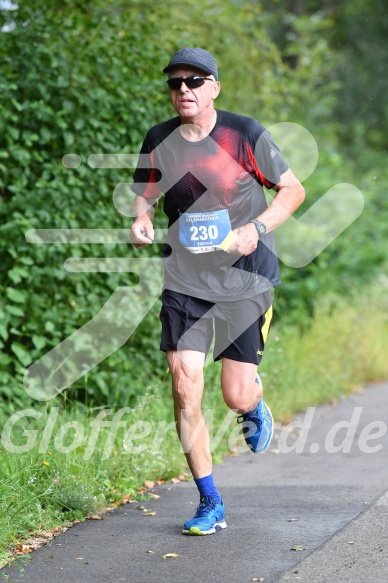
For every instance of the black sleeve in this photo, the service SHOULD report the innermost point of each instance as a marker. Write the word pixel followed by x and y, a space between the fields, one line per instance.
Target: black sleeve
pixel 269 158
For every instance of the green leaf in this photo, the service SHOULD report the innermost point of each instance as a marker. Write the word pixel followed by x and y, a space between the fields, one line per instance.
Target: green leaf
pixel 22 354
pixel 45 133
pixel 17 274
pixel 5 360
pixel 17 105
pixel 14 310
pixel 39 341
pixel 3 331
pixel 16 295
pixel 26 260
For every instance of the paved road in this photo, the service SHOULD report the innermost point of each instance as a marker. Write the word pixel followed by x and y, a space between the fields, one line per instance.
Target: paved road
pixel 338 498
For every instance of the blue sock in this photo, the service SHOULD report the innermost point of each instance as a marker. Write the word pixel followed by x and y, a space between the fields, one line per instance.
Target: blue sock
pixel 207 487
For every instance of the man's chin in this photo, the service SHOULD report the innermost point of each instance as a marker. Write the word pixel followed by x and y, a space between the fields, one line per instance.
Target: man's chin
pixel 188 111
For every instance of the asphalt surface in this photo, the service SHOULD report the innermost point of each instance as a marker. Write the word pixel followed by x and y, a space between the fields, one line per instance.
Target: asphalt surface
pixel 337 501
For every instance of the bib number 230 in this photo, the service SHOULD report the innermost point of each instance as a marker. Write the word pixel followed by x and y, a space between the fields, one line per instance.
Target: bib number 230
pixel 204 232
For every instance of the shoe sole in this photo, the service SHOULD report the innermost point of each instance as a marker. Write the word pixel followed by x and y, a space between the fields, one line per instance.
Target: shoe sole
pixel 196 531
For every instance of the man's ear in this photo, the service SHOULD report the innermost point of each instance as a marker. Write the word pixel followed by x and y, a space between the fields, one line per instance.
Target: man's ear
pixel 217 89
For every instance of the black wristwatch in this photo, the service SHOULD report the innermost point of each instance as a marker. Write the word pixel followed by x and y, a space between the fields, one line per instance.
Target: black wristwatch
pixel 260 227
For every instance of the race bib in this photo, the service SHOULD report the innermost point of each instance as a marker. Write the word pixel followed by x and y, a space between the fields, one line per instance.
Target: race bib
pixel 204 232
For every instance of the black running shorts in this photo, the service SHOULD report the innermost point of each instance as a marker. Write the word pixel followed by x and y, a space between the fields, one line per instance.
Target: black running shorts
pixel 240 327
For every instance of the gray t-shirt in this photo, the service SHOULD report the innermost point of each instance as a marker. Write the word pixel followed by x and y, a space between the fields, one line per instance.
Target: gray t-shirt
pixel 203 181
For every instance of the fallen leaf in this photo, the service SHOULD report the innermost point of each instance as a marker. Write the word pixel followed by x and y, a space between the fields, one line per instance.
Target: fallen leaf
pixel 275 451
pixel 79 559
pixel 141 508
pixel 149 513
pixel 297 548
pixel 151 552
pixel 175 480
pixel 149 484
pixel 350 542
pixel 154 496
pixel 170 556
pixel 50 557
pixel 292 519
pixel 257 579
pixel 25 548
pixel 182 477
pixel 96 517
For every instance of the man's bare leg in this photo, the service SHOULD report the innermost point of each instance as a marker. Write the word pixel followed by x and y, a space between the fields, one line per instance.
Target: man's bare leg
pixel 186 368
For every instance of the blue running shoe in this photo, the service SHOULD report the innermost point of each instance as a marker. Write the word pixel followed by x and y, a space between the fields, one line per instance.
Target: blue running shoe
pixel 208 518
pixel 258 425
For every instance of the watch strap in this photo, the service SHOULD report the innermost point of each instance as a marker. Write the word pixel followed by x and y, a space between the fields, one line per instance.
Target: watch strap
pixel 260 227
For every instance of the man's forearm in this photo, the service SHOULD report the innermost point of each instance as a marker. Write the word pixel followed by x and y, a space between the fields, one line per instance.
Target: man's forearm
pixel 286 201
pixel 143 208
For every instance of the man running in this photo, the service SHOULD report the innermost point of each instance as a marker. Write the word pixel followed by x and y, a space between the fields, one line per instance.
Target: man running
pixel 220 263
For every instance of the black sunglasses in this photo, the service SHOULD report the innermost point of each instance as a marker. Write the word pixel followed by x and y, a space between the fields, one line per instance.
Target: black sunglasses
pixel 191 82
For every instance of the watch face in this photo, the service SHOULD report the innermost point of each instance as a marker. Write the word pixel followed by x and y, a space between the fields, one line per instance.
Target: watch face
pixel 260 227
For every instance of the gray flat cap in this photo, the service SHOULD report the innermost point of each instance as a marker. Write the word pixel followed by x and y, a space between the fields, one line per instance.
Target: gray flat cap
pixel 194 57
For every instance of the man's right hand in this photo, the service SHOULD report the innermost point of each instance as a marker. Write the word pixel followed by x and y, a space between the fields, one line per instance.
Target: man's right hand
pixel 142 232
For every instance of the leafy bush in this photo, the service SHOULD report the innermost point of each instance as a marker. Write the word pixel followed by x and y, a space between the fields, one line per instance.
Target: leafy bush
pixel 73 82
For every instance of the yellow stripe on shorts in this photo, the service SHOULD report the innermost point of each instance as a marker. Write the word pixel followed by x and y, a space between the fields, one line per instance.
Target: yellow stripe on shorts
pixel 265 328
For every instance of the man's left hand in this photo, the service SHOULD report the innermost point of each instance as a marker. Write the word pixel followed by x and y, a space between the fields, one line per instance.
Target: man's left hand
pixel 247 241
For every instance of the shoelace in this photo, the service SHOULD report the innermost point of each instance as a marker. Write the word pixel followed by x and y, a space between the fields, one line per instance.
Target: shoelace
pixel 256 420
pixel 207 503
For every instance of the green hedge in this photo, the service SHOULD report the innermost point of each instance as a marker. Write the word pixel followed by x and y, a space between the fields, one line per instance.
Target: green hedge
pixel 73 81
